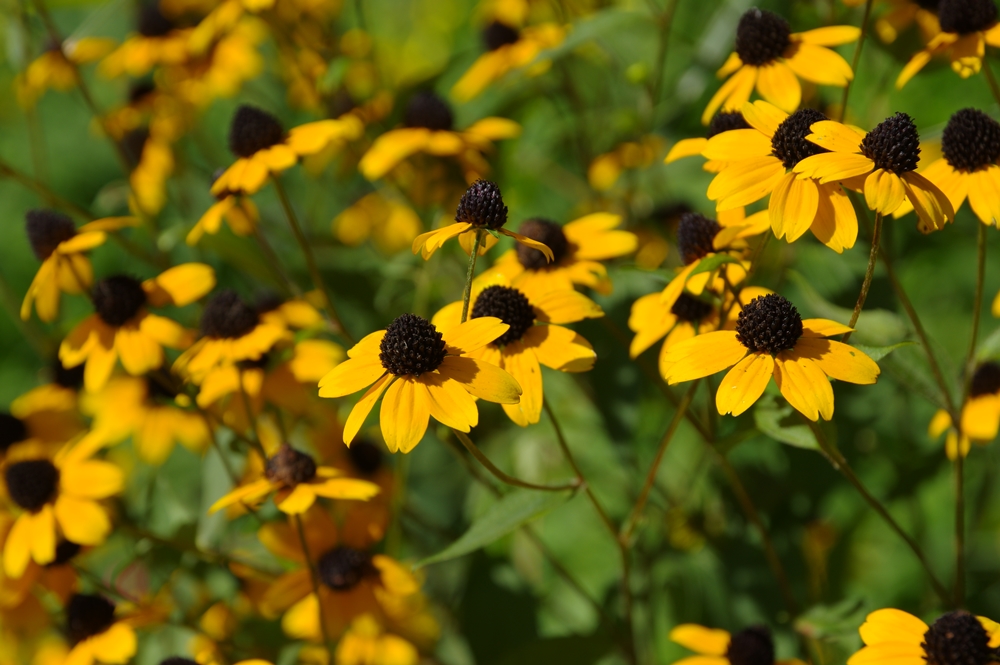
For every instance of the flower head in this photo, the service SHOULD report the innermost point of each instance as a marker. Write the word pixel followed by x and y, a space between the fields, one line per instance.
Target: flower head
pixel 750 646
pixel 954 638
pixel 966 27
pixel 508 49
pixel 94 634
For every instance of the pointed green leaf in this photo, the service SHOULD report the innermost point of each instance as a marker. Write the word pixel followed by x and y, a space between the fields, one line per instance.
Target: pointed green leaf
pixel 876 353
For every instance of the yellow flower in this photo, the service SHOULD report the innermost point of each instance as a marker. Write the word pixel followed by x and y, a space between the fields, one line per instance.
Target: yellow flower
pixel 904 13
pixel 724 121
pixel 122 328
pixel 150 410
pixel 154 162
pixel 391 223
pixel 898 636
pixel 366 643
pixel 953 444
pixel 968 167
pixel 423 372
pixel 56 68
pixel 769 57
pixel 60 246
pixel 94 634
pixel 759 163
pixel 480 209
pixel 533 336
pixel 158 42
pixel 577 251
pixel 772 339
pixel 47 414
pixel 296 481
pixel 508 49
pixel 221 70
pixel 981 413
pixel 238 210
pixel 57 497
pixel 428 129
pixel 263 148
pixel 967 26
pixel 882 163
pixel 715 646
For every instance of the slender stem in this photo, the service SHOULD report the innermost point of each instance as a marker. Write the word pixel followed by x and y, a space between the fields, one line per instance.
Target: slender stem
pixel 840 463
pixel 503 477
pixel 869 273
pixel 959 527
pixel 467 292
pixel 625 535
pixel 251 416
pixel 857 57
pixel 314 274
pixel 977 305
pixel 314 578
pixel 991 80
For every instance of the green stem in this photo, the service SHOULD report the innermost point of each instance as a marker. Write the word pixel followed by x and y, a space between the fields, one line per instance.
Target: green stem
pixel 314 578
pixel 856 59
pixel 991 80
pixel 467 293
pixel 869 273
pixel 503 477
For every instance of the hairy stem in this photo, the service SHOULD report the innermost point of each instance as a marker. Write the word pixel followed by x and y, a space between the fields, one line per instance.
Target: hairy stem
pixel 869 273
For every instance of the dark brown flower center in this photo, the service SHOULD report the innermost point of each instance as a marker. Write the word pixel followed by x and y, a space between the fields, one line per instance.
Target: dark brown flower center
pixel 957 638
pixel 695 234
pixel 893 145
pixel 118 299
pixel 690 309
pixel 971 140
pixel 344 567
pixel 752 646
pixel 46 229
pixel 226 316
pixel 986 380
pixel 411 345
pixel 253 130
pixel 498 34
pixel 769 323
pixel 66 550
pixel 761 36
pixel 482 206
pixel 726 121
pixel 12 430
pixel 510 306
pixel 290 467
pixel 67 378
pixel 966 16
pixel 425 109
pixel 32 483
pixel 549 234
pixel 152 22
pixel 789 142
pixel 88 615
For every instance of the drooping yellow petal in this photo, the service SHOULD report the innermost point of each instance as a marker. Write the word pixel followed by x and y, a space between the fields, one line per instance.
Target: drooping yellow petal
pixel 180 285
pixel 889 653
pixel 777 84
pixel 482 379
pixel 17 548
pixel 891 625
pixel 430 242
pixel 114 646
pixel 364 406
pixel 473 334
pixel 91 479
pixel 390 149
pixel 405 414
pixel 351 376
pixel 984 194
pixel 884 191
pixel 819 65
pixel 764 117
pixel 685 148
pixel 450 403
pixel 793 206
pixel 744 384
pixel 82 521
pixel 836 223
pixel 931 205
pixel 139 353
pixel 746 181
pixel 703 355
pixel 912 67
pixel 804 385
pixel 530 242
pixel 43 536
pixel 298 501
pixel 733 94
pixel 981 417
pixel 560 348
pixel 706 641
pixel 838 361
pixel 737 144
pixel 565 307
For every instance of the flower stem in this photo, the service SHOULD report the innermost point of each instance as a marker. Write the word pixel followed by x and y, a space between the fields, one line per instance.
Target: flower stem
pixel 869 273
pixel 314 274
pixel 314 578
pixel 467 293
pixel 857 58
pixel 840 463
pixel 991 80
pixel 503 477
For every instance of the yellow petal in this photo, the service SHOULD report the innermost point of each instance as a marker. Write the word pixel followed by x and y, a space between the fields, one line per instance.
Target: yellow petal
pixel 450 403
pixel 891 625
pixel 249 494
pixel 352 375
pixel 889 653
pixel 819 65
pixel 180 285
pixel 17 549
pixel 116 645
pixel 839 361
pixel 522 364
pixel 744 384
pixel 390 149
pixel 984 194
pixel 404 415
pixel 884 191
pixel 823 328
pixel 804 385
pixel 777 84
pixel 298 501
pixel 474 334
pixel 561 348
pixel 565 307
pixel 764 117
pixel 706 641
pixel 91 479
pixel 793 206
pixel 835 136
pixel 746 181
pixel 914 65
pixel 685 148
pixel 833 35
pixel 43 536
pixel 931 205
pixel 733 94
pixel 703 355
pixel 482 379
pixel 981 417
pixel 82 521
pixel 529 242
pixel 738 144
pixel 139 353
pixel 364 406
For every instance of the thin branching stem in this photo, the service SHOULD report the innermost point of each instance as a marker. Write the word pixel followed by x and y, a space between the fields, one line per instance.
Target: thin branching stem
pixel 314 578
pixel 869 273
pixel 503 477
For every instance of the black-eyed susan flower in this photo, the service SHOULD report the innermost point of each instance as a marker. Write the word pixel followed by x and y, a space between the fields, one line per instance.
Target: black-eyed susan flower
pixel 955 637
pixel 48 414
pixel 771 339
pixel 429 128
pixel 366 642
pixel 264 148
pixel 901 14
pixel 714 646
pixel 967 27
pixel 723 121
pixel 158 41
pixel 95 635
pixel 55 69
pixel 56 497
pixel 534 336
pixel 968 168
pixel 122 328
pixel 981 412
pixel 882 164
pixel 296 482
pixel 61 247
pixel 481 210
pixel 237 209
pixel 577 251
pixel 759 162
pixel 772 59
pixel 390 223
pixel 423 372
pixel 508 49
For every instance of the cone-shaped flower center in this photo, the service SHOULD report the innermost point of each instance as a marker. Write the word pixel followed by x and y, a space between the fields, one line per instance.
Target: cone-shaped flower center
pixel 87 616
pixel 32 483
pixel 690 309
pixel 695 234
pixel 986 380
pixel 726 121
pixel 425 109
pixel 957 638
pixel 118 299
pixel 226 316
pixel 290 467
pixel 510 306
pixel 966 16
pixel 253 130
pixel 752 646
pixel 498 34
pixel 769 323
pixel 46 229
pixel 789 142
pixel 411 345
pixel 761 36
pixel 893 145
pixel 482 206
pixel 971 140
pixel 12 430
pixel 365 456
pixel 343 568
pixel 152 22
pixel 548 233
pixel 65 551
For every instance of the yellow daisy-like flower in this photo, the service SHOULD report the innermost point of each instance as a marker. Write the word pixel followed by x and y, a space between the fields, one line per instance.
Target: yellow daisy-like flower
pixel 902 14
pixel 57 497
pixel 55 69
pixel 391 223
pixel 297 481
pixel 60 246
pixel 981 412
pixel 238 210
pixel 481 209
pixel 772 59
pixel 771 339
pixel 956 637
pixel 264 148
pixel 429 129
pixel 367 643
pixel 724 121
pixel 95 635
pixel 508 49
pixel 967 26
pixel 968 168
pixel 48 414
pixel 954 445
pixel 577 251
pixel 759 162
pixel 882 163
pixel 715 646
pixel 534 336
pixel 423 372
pixel 122 328
pixel 158 42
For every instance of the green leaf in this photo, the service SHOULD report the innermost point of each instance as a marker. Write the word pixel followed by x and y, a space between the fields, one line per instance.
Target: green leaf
pixel 710 263
pixel 512 511
pixel 772 419
pixel 876 353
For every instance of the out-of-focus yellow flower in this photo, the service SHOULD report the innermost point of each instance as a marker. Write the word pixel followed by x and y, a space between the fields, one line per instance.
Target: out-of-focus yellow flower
pixel 981 413
pixel 901 14
pixel 605 170
pixel 158 42
pixel 392 224
pixel 222 69
pixel 508 49
pixel 967 27
pixel 239 211
pixel 55 69
pixel 95 636
pixel 366 643
pixel 154 163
